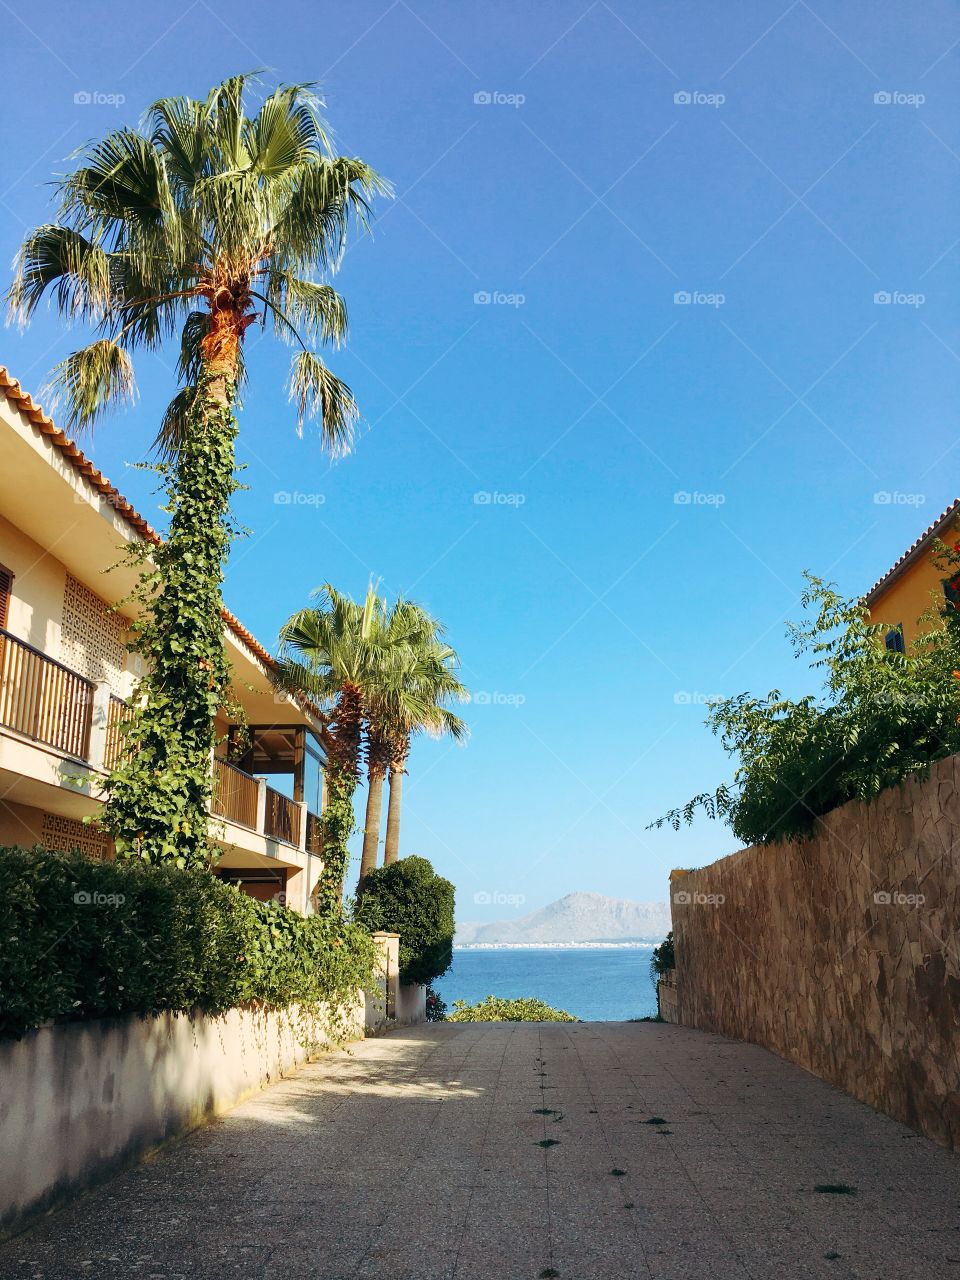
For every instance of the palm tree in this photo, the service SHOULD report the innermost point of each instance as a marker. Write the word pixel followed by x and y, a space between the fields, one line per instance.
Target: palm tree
pixel 409 692
pixel 334 652
pixel 436 683
pixel 200 225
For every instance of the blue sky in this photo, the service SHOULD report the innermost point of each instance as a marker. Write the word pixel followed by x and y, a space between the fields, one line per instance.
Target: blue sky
pixel 579 165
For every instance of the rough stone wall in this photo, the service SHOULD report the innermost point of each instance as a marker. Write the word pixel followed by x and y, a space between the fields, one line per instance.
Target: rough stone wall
pixel 841 953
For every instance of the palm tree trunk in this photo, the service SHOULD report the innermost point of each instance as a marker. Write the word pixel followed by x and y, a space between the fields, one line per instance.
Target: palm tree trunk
pixel 391 847
pixel 371 828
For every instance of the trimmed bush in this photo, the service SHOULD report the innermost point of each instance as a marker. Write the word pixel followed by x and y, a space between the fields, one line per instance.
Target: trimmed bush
pixel 83 939
pixel 494 1009
pixel 409 898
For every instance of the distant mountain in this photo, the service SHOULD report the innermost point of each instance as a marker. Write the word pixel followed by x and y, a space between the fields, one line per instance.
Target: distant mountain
pixel 579 917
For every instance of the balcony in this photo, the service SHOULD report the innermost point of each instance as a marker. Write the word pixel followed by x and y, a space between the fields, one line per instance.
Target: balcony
pixel 247 801
pixel 44 700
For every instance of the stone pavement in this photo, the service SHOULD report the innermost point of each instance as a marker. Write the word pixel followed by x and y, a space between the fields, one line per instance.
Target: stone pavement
pixel 519 1151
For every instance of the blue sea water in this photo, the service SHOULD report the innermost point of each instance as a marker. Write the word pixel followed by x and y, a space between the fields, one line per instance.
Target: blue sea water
pixel 595 984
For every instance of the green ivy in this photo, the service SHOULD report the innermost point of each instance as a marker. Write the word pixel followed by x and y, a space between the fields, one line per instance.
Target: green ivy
pixel 157 798
pixel 337 824
pixel 84 939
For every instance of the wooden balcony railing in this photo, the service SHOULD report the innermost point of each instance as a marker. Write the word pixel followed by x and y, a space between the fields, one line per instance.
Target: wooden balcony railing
pixel 314 840
pixel 43 699
pixel 234 794
pixel 282 820
pixel 118 714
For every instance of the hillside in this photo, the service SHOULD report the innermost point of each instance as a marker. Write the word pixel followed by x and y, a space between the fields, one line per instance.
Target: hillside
pixel 580 918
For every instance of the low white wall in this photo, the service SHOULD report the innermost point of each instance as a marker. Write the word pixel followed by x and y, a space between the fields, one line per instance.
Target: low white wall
pixel 78 1101
pixel 411 1005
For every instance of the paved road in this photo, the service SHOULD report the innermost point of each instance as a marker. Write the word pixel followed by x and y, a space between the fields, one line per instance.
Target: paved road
pixel 672 1154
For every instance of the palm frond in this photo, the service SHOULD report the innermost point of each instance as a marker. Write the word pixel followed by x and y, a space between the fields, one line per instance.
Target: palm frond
pixel 318 392
pixel 90 380
pixel 76 267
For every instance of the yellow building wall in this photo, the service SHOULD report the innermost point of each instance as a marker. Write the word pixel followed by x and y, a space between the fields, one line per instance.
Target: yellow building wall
pixel 39 579
pixel 915 592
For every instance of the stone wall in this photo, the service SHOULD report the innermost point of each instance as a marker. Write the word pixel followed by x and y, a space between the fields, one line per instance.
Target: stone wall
pixel 841 953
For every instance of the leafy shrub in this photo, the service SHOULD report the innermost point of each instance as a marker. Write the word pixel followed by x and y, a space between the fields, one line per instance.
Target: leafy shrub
pixel 409 898
pixel 494 1009
pixel 83 939
pixel 882 716
pixel 436 1007
pixel 662 958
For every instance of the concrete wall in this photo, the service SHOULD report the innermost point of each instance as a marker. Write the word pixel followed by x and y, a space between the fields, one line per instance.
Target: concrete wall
pixel 841 953
pixel 79 1101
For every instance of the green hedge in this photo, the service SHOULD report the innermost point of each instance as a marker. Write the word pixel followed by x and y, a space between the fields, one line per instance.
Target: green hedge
pixel 409 898
pixel 83 939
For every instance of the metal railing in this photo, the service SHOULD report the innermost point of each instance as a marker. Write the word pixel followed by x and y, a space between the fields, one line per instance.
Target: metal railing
pixel 234 794
pixel 43 699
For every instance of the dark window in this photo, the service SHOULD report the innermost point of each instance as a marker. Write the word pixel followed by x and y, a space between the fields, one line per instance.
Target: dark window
pixel 6 587
pixel 894 639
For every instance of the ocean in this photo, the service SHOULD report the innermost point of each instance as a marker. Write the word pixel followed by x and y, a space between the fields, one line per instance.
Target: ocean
pixel 595 984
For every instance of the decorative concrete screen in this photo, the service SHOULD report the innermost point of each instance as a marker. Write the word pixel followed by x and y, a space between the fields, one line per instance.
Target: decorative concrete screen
pixel 841 953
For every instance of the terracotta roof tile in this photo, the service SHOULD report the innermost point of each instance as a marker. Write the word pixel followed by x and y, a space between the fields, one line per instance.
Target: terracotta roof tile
pixel 912 553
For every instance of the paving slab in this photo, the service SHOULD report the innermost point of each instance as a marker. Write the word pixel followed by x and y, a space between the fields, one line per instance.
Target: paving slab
pixel 590 1151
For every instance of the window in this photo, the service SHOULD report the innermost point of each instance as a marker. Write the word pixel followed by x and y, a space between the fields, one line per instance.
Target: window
pixel 6 588
pixel 894 639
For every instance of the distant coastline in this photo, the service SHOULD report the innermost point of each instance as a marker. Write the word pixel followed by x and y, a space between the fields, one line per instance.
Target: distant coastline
pixel 554 946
